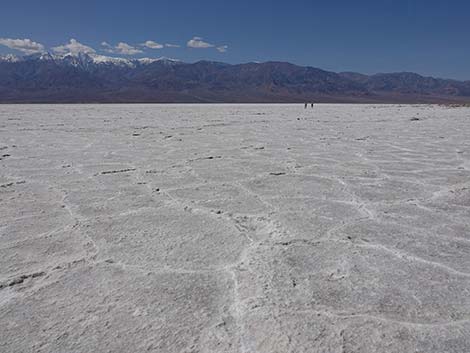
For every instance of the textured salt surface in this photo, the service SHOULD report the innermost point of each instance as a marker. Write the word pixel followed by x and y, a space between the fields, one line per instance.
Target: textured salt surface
pixel 234 228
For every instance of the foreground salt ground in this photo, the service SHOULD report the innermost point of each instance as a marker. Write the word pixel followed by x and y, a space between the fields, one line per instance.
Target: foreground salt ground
pixel 234 228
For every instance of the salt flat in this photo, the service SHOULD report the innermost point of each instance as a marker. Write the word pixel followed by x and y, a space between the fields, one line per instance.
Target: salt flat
pixel 234 228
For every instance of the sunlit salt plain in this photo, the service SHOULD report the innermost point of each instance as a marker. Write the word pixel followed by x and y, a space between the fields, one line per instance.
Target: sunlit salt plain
pixel 234 228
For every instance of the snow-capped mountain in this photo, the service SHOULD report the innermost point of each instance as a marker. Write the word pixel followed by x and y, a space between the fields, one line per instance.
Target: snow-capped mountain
pixel 84 60
pixel 10 58
pixel 47 77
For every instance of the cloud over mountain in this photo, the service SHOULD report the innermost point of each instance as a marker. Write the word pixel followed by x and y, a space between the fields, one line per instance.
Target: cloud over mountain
pixel 152 45
pixel 199 43
pixel 121 48
pixel 73 47
pixel 26 46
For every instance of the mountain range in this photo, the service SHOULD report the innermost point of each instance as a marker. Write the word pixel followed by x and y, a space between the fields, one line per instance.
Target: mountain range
pixel 84 78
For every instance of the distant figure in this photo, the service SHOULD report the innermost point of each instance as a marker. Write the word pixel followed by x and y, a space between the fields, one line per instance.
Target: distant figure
pixel 306 105
pixel 312 105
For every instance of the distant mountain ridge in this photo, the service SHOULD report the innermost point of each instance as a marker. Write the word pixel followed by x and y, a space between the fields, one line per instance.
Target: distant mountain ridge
pixel 83 78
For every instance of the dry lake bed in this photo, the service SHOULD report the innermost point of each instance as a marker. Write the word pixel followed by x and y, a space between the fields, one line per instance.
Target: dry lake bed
pixel 234 228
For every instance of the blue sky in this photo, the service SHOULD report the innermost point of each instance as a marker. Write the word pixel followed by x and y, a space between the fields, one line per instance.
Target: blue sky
pixel 429 37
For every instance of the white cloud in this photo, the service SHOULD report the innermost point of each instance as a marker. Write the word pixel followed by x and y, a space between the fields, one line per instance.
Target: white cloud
pixel 126 49
pixel 74 47
pixel 152 45
pixel 172 45
pixel 121 48
pixel 26 46
pixel 199 43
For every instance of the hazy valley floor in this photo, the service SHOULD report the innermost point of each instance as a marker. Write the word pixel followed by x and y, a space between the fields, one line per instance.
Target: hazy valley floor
pixel 234 228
